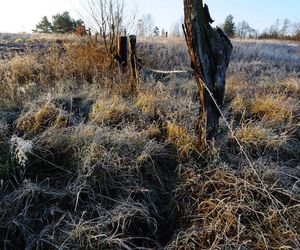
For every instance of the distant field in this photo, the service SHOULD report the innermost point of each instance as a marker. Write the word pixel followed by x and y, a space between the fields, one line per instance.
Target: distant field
pixel 86 164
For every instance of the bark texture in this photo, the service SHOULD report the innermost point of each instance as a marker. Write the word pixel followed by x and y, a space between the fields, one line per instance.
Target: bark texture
pixel 210 51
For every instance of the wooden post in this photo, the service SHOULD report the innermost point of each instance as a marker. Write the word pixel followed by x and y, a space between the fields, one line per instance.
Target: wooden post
pixel 210 51
pixel 123 52
pixel 133 70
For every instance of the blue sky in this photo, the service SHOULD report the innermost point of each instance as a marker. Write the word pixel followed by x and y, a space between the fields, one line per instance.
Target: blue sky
pixel 22 15
pixel 258 13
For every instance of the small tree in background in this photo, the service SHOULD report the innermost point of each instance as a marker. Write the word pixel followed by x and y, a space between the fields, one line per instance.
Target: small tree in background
pixel 63 23
pixel 44 26
pixel 229 26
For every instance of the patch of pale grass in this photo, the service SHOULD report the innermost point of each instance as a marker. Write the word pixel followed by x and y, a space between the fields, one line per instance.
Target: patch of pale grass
pixel 184 142
pixel 240 105
pixel 148 103
pixel 112 110
pixel 152 132
pixel 235 85
pixel 24 68
pixel 275 108
pixel 255 135
pixel 37 120
pixel 292 87
pixel 41 37
pixel 21 149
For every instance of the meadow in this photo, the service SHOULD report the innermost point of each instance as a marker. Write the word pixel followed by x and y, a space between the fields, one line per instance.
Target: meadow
pixel 87 164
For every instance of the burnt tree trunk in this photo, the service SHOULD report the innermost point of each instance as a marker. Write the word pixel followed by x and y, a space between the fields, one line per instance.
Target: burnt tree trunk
pixel 123 52
pixel 133 70
pixel 210 51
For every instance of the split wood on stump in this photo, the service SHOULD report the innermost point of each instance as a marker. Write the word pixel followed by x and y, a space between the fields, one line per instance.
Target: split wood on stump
pixel 210 51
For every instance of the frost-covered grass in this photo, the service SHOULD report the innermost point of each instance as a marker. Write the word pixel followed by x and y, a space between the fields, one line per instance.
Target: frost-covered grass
pixel 84 163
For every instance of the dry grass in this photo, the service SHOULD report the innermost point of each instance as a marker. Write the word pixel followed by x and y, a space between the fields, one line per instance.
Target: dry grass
pixel 234 211
pixel 274 108
pixel 86 61
pixel 112 111
pixel 148 103
pixel 35 121
pixel 185 143
pixel 24 69
pixel 255 135
pixel 101 168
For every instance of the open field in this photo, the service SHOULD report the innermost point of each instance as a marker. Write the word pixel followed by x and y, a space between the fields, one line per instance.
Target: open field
pixel 84 164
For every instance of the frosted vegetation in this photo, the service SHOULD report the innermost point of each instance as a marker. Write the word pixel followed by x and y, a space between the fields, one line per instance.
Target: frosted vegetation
pixel 85 164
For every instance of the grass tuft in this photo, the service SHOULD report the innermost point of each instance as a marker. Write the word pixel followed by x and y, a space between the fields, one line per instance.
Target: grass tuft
pixel 36 121
pixel 184 142
pixel 112 111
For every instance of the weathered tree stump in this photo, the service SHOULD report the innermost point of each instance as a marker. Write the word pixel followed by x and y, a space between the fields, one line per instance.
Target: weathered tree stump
pixel 210 51
pixel 133 70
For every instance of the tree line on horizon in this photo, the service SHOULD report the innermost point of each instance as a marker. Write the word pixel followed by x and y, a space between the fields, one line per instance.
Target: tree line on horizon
pixel 145 27
pixel 285 29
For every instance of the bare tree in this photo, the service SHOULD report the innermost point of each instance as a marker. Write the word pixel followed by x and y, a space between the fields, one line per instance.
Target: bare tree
pixel 275 29
pixel 176 30
pixel 108 17
pixel 286 25
pixel 145 26
pixel 243 30
pixel 296 29
pixel 141 28
pixel 149 24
